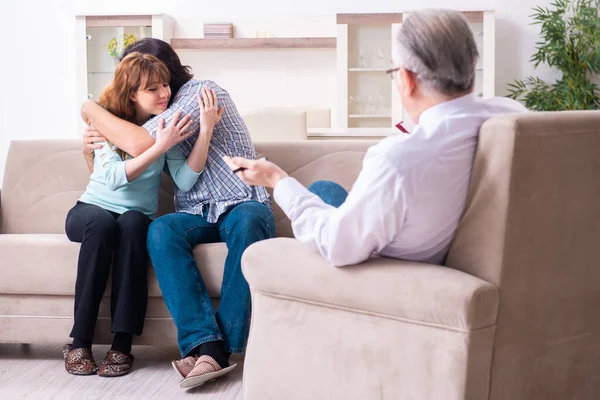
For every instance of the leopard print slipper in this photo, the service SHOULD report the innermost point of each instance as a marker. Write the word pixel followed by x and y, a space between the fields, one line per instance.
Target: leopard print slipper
pixel 79 361
pixel 115 364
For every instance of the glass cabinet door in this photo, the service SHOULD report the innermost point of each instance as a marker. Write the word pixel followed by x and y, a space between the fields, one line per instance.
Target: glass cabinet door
pixel 369 55
pixel 105 46
pixel 367 98
pixel 479 34
pixel 100 40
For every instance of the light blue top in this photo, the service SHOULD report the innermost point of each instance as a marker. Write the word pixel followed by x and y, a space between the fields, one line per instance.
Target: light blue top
pixel 109 188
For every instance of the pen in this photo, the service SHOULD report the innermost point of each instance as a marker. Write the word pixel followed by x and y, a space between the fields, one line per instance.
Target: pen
pixel 235 171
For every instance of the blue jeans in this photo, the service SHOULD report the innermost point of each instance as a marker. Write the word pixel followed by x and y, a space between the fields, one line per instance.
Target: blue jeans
pixel 171 239
pixel 330 192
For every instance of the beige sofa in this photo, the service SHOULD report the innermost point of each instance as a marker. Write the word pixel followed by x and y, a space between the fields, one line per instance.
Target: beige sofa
pixel 276 123
pixel 514 316
pixel 42 181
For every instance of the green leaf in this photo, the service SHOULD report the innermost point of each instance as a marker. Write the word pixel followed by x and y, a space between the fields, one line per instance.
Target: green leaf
pixel 570 43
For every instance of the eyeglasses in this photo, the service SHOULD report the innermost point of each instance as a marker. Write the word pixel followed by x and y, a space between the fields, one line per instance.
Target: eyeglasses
pixel 392 72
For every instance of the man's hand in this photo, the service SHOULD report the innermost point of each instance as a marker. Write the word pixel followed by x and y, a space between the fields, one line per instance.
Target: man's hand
pixel 256 172
pixel 91 139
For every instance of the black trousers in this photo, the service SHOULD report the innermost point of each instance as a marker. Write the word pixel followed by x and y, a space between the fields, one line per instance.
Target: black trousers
pixel 107 239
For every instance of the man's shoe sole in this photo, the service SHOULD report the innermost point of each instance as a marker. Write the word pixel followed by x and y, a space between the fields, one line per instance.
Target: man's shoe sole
pixel 196 381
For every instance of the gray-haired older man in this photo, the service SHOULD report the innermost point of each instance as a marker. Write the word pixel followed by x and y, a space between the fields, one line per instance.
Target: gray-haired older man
pixel 410 194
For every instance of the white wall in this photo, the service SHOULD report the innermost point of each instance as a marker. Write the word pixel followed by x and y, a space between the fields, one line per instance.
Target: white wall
pixel 37 60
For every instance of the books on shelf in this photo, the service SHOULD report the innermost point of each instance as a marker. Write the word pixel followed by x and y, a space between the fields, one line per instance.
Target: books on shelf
pixel 218 30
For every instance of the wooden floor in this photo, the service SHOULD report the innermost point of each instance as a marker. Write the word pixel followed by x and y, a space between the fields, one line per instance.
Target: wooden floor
pixel 37 372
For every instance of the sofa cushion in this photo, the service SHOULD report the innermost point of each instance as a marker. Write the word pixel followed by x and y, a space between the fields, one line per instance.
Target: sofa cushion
pixel 47 264
pixel 407 291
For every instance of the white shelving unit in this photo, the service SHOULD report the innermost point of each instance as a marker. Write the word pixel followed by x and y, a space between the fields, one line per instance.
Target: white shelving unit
pixel 350 133
pixel 95 66
pixel 367 97
pixel 364 51
pixel 367 116
pixel 366 69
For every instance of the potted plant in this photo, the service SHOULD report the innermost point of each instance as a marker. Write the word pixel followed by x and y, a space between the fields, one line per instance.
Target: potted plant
pixel 118 44
pixel 570 42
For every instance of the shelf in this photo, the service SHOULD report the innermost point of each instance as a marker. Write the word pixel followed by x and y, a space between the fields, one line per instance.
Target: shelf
pixel 118 20
pixel 367 19
pixel 393 18
pixel 367 69
pixel 256 43
pixel 349 132
pixel 472 16
pixel 357 116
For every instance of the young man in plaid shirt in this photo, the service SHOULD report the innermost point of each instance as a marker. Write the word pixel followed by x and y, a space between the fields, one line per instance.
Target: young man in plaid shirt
pixel 219 208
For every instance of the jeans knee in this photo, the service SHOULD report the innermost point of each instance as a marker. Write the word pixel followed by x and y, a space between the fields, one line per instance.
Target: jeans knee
pixel 161 233
pixel 330 192
pixel 154 233
pixel 252 221
pixel 320 186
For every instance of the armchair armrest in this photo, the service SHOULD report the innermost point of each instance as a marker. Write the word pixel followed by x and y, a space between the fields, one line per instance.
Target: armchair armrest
pixel 415 292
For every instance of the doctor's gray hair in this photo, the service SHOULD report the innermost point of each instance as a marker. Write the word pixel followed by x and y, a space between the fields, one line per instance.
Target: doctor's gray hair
pixel 439 47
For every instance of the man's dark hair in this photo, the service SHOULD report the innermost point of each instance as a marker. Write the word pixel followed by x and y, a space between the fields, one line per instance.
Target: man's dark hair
pixel 180 74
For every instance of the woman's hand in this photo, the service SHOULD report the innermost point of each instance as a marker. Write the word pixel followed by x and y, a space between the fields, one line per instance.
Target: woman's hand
pixel 91 139
pixel 175 132
pixel 210 113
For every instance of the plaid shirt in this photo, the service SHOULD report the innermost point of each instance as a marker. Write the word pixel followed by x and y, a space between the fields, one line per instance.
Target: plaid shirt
pixel 217 188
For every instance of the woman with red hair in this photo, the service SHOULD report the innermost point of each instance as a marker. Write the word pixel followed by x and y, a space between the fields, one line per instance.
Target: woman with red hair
pixel 112 217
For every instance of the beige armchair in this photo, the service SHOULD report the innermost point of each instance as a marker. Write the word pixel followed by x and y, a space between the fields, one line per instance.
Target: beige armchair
pixel 276 123
pixel 514 315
